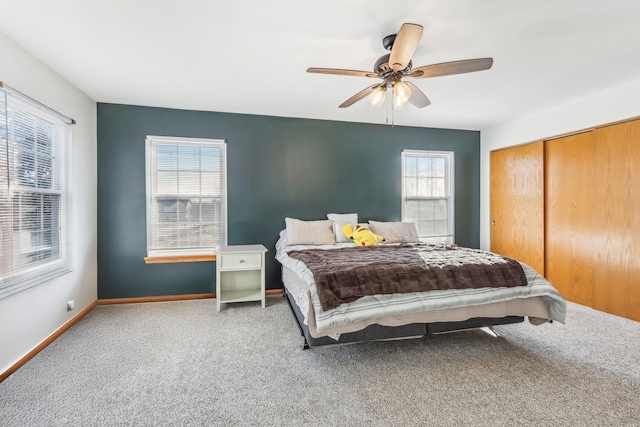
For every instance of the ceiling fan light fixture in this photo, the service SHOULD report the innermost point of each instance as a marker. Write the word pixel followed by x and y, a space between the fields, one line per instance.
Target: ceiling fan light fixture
pixel 397 103
pixel 401 91
pixel 401 94
pixel 376 98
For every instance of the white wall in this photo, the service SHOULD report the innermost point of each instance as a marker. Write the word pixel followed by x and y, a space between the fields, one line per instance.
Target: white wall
pixel 617 103
pixel 29 317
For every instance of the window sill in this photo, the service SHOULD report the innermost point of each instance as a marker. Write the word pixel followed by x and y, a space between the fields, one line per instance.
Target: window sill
pixel 180 258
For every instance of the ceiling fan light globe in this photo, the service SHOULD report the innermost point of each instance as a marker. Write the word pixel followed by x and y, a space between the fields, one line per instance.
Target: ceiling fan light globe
pixel 398 103
pixel 401 92
pixel 376 98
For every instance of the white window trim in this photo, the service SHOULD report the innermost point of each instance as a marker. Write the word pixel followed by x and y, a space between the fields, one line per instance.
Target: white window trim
pixel 160 253
pixel 19 281
pixel 449 173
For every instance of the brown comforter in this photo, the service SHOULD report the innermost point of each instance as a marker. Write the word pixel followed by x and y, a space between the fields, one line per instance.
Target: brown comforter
pixel 347 274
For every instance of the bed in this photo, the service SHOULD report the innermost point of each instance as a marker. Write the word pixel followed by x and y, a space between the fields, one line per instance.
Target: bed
pixel 354 313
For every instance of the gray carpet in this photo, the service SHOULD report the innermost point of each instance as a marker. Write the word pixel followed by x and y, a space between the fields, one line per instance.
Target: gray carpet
pixel 182 363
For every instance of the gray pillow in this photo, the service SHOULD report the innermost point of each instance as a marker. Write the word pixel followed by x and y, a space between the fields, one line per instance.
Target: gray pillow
pixel 395 232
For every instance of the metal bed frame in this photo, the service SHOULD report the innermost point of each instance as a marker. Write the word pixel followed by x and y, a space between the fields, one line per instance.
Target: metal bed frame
pixel 381 333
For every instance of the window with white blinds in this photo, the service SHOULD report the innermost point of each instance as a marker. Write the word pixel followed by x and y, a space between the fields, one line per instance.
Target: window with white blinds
pixel 186 196
pixel 427 194
pixel 34 165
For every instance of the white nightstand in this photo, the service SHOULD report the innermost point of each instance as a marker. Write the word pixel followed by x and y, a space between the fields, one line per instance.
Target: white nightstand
pixel 240 274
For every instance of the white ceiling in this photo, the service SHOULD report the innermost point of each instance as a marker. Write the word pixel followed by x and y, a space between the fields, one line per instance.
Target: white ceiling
pixel 251 56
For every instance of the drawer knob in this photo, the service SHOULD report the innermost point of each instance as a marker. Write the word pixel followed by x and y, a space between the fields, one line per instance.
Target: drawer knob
pixel 241 261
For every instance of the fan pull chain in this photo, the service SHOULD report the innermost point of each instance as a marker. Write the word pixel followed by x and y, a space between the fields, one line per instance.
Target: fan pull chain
pixel 392 115
pixel 387 118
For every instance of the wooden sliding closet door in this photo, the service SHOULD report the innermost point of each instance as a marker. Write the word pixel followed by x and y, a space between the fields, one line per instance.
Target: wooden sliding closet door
pixel 616 215
pixel 517 204
pixel 569 235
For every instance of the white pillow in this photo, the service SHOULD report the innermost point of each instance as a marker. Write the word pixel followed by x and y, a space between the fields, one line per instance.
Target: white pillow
pixel 396 232
pixel 340 236
pixel 309 232
pixel 340 220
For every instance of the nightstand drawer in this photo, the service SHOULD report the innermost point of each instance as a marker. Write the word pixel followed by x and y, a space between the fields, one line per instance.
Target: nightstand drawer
pixel 240 261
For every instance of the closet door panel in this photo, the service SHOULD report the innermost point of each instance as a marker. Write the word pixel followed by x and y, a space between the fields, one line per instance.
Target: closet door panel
pixel 616 214
pixel 569 223
pixel 517 203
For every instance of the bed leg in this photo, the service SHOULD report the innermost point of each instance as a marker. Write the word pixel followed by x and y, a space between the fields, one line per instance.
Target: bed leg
pixel 489 330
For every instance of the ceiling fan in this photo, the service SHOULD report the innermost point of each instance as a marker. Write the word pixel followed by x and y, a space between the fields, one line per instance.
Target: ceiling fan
pixel 393 67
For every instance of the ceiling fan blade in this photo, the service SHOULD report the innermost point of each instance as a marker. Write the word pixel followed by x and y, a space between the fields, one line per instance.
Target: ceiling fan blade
pixel 404 46
pixel 358 96
pixel 418 98
pixel 451 68
pixel 340 72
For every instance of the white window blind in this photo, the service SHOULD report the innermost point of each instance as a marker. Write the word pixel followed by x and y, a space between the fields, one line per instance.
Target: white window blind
pixel 35 144
pixel 427 194
pixel 186 196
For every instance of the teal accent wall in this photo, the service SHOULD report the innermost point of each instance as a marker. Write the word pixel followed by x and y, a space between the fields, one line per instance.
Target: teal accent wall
pixel 277 167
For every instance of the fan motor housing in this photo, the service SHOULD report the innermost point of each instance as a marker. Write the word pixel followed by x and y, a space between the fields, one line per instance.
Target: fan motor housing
pixel 382 66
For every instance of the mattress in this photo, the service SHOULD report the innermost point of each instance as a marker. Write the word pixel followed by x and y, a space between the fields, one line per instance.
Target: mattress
pixel 539 301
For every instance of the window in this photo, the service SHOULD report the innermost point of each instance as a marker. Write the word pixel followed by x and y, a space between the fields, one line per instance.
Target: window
pixel 427 194
pixel 186 196
pixel 34 153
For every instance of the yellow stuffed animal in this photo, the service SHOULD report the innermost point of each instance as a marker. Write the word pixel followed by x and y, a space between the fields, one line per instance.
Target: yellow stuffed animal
pixel 361 236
